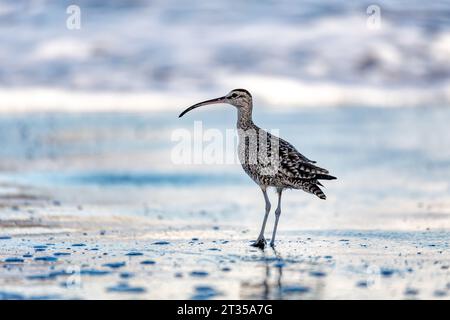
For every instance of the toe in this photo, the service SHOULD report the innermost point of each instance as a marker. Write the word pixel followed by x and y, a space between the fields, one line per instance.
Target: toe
pixel 260 243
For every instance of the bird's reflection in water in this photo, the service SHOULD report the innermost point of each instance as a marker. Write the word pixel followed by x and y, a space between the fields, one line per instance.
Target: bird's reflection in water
pixel 280 281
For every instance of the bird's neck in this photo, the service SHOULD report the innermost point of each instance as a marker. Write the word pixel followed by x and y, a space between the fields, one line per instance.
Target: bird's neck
pixel 244 120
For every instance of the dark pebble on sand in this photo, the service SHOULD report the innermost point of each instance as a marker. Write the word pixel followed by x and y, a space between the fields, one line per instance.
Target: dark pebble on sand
pixel 132 254
pixel 59 254
pixel 5 237
pixel 317 274
pixel 114 265
pixel 386 272
pixel 161 243
pixel 411 292
pixel 39 277
pixel 362 284
pixel 204 288
pixel 204 293
pixel 58 273
pixel 47 259
pixel 148 262
pixel 94 272
pixel 126 275
pixel 27 255
pixel 440 293
pixel 295 289
pixel 51 275
pixel 226 269
pixel 14 260
pixel 78 245
pixel 199 274
pixel 125 288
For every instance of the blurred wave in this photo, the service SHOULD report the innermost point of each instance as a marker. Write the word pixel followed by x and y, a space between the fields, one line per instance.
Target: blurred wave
pixel 153 55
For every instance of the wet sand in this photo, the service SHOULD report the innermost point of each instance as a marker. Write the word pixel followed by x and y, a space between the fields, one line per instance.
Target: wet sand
pixel 71 252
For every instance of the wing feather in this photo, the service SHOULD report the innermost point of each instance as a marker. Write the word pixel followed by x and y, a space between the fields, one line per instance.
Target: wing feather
pixel 294 164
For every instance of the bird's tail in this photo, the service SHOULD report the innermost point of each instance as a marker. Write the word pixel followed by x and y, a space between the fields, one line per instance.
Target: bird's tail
pixel 325 177
pixel 315 190
pixel 315 186
pixel 310 187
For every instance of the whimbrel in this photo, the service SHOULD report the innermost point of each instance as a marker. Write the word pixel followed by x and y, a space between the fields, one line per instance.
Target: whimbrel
pixel 270 161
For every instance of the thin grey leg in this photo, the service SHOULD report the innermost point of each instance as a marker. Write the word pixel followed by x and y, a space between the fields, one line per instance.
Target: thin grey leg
pixel 277 217
pixel 261 242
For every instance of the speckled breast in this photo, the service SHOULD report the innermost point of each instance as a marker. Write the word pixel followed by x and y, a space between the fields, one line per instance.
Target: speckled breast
pixel 258 162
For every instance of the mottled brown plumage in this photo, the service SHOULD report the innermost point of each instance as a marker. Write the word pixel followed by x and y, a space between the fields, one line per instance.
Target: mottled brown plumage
pixel 270 161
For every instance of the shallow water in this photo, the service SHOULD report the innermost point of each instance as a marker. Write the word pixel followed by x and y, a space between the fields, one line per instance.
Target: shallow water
pixel 93 207
pixel 380 156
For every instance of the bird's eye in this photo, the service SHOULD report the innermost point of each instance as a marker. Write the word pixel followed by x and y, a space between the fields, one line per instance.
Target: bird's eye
pixel 234 95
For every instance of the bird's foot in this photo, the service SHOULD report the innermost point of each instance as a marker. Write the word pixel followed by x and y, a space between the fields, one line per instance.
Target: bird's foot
pixel 259 243
pixel 272 244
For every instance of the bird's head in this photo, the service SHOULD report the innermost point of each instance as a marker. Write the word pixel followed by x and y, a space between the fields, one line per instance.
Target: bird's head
pixel 240 98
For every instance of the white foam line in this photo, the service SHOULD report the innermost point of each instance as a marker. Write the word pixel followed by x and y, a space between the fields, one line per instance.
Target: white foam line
pixel 274 93
pixel 60 100
pixel 289 93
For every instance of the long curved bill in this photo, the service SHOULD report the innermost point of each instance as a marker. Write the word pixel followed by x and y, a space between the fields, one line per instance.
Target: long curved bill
pixel 204 103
